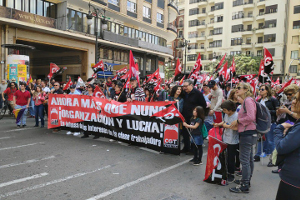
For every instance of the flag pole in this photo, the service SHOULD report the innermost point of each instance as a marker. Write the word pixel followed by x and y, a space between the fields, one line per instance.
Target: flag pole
pixel 191 137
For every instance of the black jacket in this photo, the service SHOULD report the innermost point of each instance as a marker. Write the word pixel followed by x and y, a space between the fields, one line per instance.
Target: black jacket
pixel 191 100
pixel 272 104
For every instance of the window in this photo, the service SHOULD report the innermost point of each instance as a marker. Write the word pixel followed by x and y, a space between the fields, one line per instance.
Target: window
pixel 248 40
pixel 260 40
pixel 250 14
pixel 160 18
pixel 237 28
pixel 261 26
pixel 194 11
pixel 294 54
pixel 131 6
pixel 259 52
pixel 202 33
pixel 270 38
pixel 248 53
pixel 46 9
pixel 249 27
pixel 236 41
pixel 114 2
pixel 216 43
pixel 237 3
pixel 161 4
pixel 296 24
pixel 261 12
pixel 197 1
pixel 193 34
pixel 218 31
pixel 146 12
pixel 296 9
pixel 193 46
pixel 233 53
pixel 194 23
pixel 39 7
pixel 270 23
pixel 202 46
pixel 181 12
pixel 220 18
pixel 238 15
pixel 219 6
pixel 191 57
pixel 18 4
pixel 293 69
pixel 203 10
pixel 271 9
pixel 272 51
pixel 33 6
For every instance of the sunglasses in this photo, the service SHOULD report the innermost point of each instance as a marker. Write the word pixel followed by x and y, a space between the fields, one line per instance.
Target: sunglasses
pixel 89 87
pixel 262 90
pixel 289 94
pixel 56 85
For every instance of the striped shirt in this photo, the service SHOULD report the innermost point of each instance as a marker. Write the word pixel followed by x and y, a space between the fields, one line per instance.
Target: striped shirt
pixel 137 94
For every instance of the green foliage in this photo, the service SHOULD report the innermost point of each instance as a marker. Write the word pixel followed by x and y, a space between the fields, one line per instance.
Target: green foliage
pixel 169 72
pixel 244 64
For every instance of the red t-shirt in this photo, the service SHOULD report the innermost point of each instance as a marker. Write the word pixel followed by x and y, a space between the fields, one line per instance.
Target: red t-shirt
pixel 10 93
pixel 22 97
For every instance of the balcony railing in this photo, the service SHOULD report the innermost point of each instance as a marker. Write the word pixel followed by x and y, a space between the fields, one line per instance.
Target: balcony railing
pixel 173 3
pixel 172 28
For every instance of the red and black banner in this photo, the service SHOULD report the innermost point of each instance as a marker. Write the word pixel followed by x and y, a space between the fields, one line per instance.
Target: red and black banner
pixel 216 168
pixel 137 123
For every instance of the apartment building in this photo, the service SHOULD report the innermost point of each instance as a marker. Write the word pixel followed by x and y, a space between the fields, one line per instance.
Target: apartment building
pixel 60 32
pixel 292 61
pixel 216 27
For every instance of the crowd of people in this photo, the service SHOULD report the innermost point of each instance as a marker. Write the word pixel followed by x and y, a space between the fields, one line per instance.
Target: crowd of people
pixel 208 105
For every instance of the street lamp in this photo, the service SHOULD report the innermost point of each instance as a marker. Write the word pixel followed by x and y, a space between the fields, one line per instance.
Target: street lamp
pixel 185 45
pixel 96 12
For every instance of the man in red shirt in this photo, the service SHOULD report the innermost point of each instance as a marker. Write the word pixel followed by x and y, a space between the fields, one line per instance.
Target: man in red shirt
pixel 10 91
pixel 22 100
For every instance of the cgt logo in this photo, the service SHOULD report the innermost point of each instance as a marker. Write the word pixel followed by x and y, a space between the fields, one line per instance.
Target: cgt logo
pixel 171 135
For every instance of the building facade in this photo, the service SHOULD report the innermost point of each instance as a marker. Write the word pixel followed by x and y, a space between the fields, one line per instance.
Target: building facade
pixel 216 27
pixel 59 31
pixel 292 62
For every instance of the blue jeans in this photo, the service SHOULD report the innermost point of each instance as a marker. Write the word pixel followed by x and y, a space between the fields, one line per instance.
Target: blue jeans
pixel 31 108
pixel 39 112
pixel 23 117
pixel 268 145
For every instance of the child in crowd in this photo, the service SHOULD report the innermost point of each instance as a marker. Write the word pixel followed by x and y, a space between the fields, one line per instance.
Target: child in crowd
pixel 230 136
pixel 197 122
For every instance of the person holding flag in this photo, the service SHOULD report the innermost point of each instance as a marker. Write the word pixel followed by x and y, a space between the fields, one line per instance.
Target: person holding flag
pixel 21 99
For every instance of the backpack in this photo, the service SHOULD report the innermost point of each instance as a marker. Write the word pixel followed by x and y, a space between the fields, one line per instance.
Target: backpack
pixel 263 118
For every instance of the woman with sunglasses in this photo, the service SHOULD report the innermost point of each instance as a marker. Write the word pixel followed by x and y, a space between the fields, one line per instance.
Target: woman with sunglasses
pixel 248 135
pixel 90 90
pixel 272 104
pixel 287 141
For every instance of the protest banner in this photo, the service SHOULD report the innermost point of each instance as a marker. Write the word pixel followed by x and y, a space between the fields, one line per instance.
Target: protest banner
pixel 130 122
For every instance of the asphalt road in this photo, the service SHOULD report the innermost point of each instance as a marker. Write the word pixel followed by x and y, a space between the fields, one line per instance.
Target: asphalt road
pixel 36 164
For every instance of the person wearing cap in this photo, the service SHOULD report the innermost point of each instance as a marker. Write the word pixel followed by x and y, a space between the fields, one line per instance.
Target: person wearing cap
pixel 135 93
pixel 216 100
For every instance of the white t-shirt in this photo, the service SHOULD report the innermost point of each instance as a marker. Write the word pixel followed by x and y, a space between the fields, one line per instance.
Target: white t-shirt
pixel 46 89
pixel 230 136
pixel 263 102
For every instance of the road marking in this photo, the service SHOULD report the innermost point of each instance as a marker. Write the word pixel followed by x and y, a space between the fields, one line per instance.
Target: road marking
pixel 19 129
pixel 26 145
pixel 51 182
pixel 23 179
pixel 126 185
pixel 26 162
pixel 149 150
pixel 2 138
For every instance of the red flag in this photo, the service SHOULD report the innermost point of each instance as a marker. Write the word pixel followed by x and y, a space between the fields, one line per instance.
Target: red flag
pixel 94 76
pixel 169 115
pixel 122 71
pixel 213 164
pixel 155 75
pixel 197 67
pixel 223 71
pixel 98 67
pixel 277 81
pixel 115 78
pixel 268 61
pixel 68 84
pixel 53 69
pixel 133 68
pixel 178 68
pixel 253 85
pixel 232 68
pixel 210 77
pixel 98 93
pixel 285 85
pixel 247 77
pixel 220 63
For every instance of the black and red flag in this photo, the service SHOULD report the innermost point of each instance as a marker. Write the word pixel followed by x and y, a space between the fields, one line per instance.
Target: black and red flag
pixel 197 67
pixel 268 62
pixel 263 77
pixel 94 76
pixel 55 70
pixel 216 169
pixel 169 115
pixel 220 64
pixel 98 67
pixel 68 84
pixel 98 93
pixel 247 78
pixel 178 68
pixel 284 86
pixel 223 72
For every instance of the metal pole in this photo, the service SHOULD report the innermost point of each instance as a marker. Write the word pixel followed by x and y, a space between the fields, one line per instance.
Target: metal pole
pixel 96 32
pixel 185 46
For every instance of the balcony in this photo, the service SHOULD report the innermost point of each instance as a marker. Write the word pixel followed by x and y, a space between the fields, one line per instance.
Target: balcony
pixel 202 3
pixel 173 10
pixel 201 38
pixel 259 45
pixel 210 13
pixel 261 3
pixel 248 19
pixel 211 1
pixel 247 32
pixel 201 15
pixel 210 25
pixel 248 5
pixel 154 47
pixel 107 35
pixel 246 45
pixel 201 26
pixel 171 32
pixel 261 16
pixel 210 37
pixel 209 49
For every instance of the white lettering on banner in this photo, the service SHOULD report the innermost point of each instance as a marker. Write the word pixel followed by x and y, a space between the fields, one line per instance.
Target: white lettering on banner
pixel 146 140
pixel 145 110
pixel 148 127
pixel 62 101
pixel 89 103
pixel 119 121
pixel 217 162
pixel 115 109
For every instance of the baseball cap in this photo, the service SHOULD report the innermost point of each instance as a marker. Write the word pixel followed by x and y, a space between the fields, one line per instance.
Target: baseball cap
pixel 72 86
pixel 133 78
pixel 211 83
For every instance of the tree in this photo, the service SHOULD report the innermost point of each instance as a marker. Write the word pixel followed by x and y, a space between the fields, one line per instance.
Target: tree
pixel 244 64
